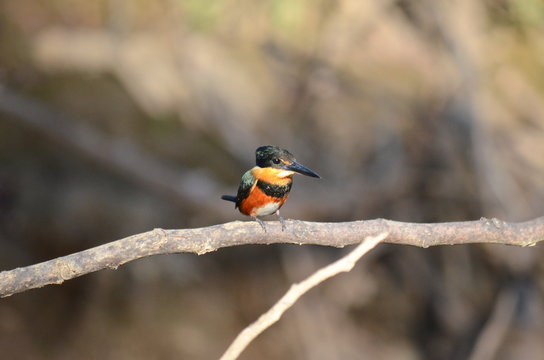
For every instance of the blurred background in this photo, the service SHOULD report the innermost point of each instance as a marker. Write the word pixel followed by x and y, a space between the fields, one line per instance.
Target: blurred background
pixel 117 117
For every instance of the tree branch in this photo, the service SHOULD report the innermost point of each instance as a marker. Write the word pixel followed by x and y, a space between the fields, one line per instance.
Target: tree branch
pixel 203 240
pixel 270 317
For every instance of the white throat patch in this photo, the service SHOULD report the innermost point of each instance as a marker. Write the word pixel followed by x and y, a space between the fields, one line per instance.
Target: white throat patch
pixel 285 173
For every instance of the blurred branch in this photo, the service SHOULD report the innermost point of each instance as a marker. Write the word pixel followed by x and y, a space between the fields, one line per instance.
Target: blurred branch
pixel 192 84
pixel 492 335
pixel 203 240
pixel 270 317
pixel 119 155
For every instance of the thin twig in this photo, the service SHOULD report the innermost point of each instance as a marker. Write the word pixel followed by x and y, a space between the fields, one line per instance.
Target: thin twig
pixel 203 240
pixel 267 319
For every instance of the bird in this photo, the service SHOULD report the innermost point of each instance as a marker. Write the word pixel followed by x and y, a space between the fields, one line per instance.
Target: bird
pixel 265 187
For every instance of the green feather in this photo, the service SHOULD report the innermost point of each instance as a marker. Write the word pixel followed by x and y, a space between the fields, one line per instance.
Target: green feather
pixel 248 181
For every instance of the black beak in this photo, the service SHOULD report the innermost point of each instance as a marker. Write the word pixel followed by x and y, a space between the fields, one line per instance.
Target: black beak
pixel 301 169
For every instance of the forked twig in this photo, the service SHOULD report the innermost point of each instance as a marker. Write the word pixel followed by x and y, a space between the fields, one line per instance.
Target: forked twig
pixel 267 319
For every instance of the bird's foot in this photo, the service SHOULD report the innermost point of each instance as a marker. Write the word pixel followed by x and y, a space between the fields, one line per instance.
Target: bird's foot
pixel 263 225
pixel 282 221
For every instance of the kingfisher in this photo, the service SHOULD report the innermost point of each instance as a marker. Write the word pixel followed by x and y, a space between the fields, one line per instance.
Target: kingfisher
pixel 265 187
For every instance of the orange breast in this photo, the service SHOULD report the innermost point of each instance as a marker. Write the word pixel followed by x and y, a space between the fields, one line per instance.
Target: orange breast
pixel 260 204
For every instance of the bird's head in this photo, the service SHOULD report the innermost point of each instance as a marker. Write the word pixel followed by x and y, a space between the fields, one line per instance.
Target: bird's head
pixel 278 158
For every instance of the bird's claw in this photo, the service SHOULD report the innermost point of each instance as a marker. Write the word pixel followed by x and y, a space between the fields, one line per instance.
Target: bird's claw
pixel 282 221
pixel 263 225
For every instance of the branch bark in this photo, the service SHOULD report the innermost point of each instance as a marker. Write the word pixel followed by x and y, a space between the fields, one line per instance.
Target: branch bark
pixel 203 240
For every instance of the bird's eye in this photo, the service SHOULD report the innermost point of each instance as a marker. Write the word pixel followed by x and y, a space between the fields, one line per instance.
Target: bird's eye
pixel 276 161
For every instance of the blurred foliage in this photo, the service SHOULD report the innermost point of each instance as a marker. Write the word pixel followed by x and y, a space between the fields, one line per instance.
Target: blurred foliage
pixel 410 110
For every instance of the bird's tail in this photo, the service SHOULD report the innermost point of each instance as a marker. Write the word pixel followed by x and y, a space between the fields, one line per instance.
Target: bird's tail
pixel 229 198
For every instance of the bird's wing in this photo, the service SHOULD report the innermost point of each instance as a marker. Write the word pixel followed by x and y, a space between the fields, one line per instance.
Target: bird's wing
pixel 248 183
